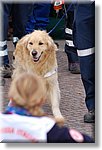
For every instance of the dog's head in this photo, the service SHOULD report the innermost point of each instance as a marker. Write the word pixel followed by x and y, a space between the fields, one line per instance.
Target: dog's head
pixel 39 43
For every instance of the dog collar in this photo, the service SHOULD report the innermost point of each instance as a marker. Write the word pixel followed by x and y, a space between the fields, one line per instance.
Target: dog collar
pixel 50 73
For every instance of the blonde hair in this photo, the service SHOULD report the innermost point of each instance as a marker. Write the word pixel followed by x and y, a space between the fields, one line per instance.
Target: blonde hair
pixel 28 91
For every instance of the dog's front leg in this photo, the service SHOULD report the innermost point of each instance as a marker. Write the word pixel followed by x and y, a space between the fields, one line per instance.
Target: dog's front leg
pixel 55 99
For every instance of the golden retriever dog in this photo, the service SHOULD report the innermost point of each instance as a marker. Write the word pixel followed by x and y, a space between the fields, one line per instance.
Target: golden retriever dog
pixel 36 53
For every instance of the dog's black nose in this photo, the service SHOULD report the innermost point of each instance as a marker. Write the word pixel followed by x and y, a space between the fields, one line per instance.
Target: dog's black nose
pixel 34 53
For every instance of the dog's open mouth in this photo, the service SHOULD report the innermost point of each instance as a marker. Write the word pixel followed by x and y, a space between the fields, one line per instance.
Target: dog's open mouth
pixel 36 59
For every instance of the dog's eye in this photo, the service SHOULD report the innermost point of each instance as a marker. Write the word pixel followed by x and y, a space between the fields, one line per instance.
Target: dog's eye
pixel 40 43
pixel 30 43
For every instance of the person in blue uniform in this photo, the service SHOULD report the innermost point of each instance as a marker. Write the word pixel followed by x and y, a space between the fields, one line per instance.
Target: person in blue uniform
pixel 40 17
pixel 25 121
pixel 20 13
pixel 70 49
pixel 84 40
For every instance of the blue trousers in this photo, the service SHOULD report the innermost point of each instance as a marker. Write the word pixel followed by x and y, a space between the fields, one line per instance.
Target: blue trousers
pixel 84 40
pixel 20 14
pixel 39 18
pixel 70 49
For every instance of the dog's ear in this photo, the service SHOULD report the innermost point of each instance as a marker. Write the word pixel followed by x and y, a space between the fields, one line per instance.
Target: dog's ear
pixel 25 39
pixel 51 44
pixel 21 47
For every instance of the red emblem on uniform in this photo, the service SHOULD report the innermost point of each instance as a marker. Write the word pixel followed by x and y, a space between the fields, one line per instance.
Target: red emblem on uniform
pixel 77 136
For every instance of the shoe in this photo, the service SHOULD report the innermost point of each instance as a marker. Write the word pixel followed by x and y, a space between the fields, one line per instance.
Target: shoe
pixel 57 45
pixel 90 117
pixel 74 68
pixel 15 43
pixel 6 71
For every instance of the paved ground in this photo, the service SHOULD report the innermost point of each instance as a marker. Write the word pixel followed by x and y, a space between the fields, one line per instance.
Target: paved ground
pixel 72 94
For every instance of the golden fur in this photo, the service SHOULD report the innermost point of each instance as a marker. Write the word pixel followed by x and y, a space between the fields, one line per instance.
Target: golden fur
pixel 36 53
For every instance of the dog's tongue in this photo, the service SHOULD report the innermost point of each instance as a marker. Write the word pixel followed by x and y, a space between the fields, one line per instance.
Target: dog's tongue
pixel 35 59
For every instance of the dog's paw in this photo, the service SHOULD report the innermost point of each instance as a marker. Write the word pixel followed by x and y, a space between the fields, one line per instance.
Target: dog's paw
pixel 60 121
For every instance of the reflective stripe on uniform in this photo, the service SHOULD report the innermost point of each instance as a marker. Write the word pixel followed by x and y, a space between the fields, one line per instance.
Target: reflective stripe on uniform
pixel 4 53
pixel 86 52
pixel 69 43
pixel 69 31
pixel 3 43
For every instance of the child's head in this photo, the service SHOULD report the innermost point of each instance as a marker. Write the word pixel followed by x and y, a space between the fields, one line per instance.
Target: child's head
pixel 27 91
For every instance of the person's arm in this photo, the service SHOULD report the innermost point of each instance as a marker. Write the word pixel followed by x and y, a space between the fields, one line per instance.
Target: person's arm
pixel 64 135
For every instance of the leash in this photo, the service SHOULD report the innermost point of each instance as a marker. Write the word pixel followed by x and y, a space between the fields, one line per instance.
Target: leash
pixel 60 19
